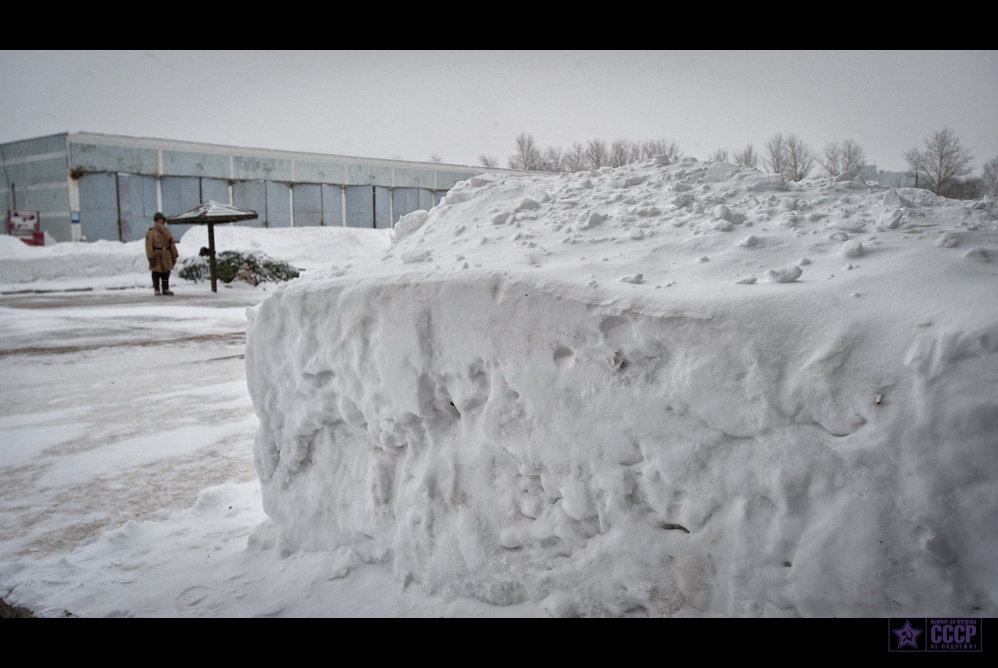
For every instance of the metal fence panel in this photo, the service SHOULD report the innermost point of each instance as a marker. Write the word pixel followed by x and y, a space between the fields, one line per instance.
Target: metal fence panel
pixel 332 205
pixel 251 195
pixel 411 177
pixel 103 158
pixel 407 200
pixel 278 204
pixel 179 194
pixel 37 146
pixel 195 163
pixel 404 200
pixel 369 175
pixel 215 189
pixel 50 170
pixel 359 206
pixel 447 180
pixel 211 189
pixel 426 200
pixel 307 204
pixel 136 205
pixel 382 207
pixel 253 168
pixel 99 207
pixel 17 174
pixel 314 171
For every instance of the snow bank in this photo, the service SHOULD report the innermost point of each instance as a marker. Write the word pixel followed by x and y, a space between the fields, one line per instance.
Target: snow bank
pixel 21 263
pixel 572 389
pixel 329 249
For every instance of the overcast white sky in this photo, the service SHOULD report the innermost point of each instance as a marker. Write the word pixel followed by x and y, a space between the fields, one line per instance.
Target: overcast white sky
pixel 458 105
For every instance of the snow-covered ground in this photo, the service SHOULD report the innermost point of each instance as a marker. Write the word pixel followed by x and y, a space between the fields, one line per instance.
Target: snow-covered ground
pixel 680 389
pixel 126 436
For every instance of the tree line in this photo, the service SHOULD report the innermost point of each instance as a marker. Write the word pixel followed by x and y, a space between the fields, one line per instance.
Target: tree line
pixel 941 165
pixel 593 154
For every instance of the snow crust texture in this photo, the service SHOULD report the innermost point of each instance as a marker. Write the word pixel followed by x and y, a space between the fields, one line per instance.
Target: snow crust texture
pixel 571 389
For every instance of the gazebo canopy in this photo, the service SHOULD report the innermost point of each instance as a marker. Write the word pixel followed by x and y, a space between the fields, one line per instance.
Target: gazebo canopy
pixel 211 212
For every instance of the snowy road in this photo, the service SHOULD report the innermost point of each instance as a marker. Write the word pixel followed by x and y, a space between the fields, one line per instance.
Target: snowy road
pixel 117 406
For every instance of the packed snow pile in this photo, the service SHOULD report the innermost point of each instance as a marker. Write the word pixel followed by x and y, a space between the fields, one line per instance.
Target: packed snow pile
pixel 113 263
pixel 328 249
pixel 665 389
pixel 21 263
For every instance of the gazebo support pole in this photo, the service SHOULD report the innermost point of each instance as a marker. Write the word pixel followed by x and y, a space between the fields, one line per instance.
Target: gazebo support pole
pixel 211 257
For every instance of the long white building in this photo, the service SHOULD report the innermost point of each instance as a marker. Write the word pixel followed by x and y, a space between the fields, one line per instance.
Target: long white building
pixel 111 186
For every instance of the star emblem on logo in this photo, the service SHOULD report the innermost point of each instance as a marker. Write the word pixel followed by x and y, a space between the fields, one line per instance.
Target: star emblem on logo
pixel 906 635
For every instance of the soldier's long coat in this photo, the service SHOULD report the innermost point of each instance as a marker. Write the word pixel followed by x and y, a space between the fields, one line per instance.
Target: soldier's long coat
pixel 160 249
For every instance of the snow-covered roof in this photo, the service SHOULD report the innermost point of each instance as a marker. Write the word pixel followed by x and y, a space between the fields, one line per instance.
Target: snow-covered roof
pixel 212 212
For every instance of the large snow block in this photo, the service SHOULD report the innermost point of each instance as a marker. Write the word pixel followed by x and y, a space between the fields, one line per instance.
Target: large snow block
pixel 487 436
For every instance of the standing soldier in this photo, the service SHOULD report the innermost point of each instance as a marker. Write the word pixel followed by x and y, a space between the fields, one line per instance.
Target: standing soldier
pixel 162 254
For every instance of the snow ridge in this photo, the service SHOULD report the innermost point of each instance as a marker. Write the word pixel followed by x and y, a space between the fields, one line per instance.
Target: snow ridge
pixel 570 389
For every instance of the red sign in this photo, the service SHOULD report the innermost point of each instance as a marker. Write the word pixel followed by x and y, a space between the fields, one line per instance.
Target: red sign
pixel 27 226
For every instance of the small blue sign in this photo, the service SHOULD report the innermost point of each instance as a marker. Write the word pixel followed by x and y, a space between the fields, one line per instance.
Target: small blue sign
pixel 74 216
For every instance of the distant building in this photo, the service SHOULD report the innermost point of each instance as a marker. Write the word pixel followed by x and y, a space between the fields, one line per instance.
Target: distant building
pixel 110 186
pixel 888 179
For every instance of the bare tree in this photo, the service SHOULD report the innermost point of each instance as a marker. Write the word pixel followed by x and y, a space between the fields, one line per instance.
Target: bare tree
pixel 789 156
pixel 620 153
pixel 488 161
pixel 574 159
pixel 720 155
pixel 800 159
pixel 653 147
pixel 914 159
pixel 596 153
pixel 853 155
pixel 832 160
pixel 970 188
pixel 591 155
pixel 989 180
pixel 636 151
pixel 776 153
pixel 941 165
pixel 839 158
pixel 748 157
pixel 553 159
pixel 527 155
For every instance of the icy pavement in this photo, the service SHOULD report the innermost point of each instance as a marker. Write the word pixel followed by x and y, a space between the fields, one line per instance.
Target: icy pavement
pixel 117 406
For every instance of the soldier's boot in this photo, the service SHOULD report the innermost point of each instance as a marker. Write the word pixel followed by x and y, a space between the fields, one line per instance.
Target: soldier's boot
pixel 166 285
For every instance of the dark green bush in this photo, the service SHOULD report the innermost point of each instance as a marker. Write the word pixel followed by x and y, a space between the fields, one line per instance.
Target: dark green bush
pixel 227 263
